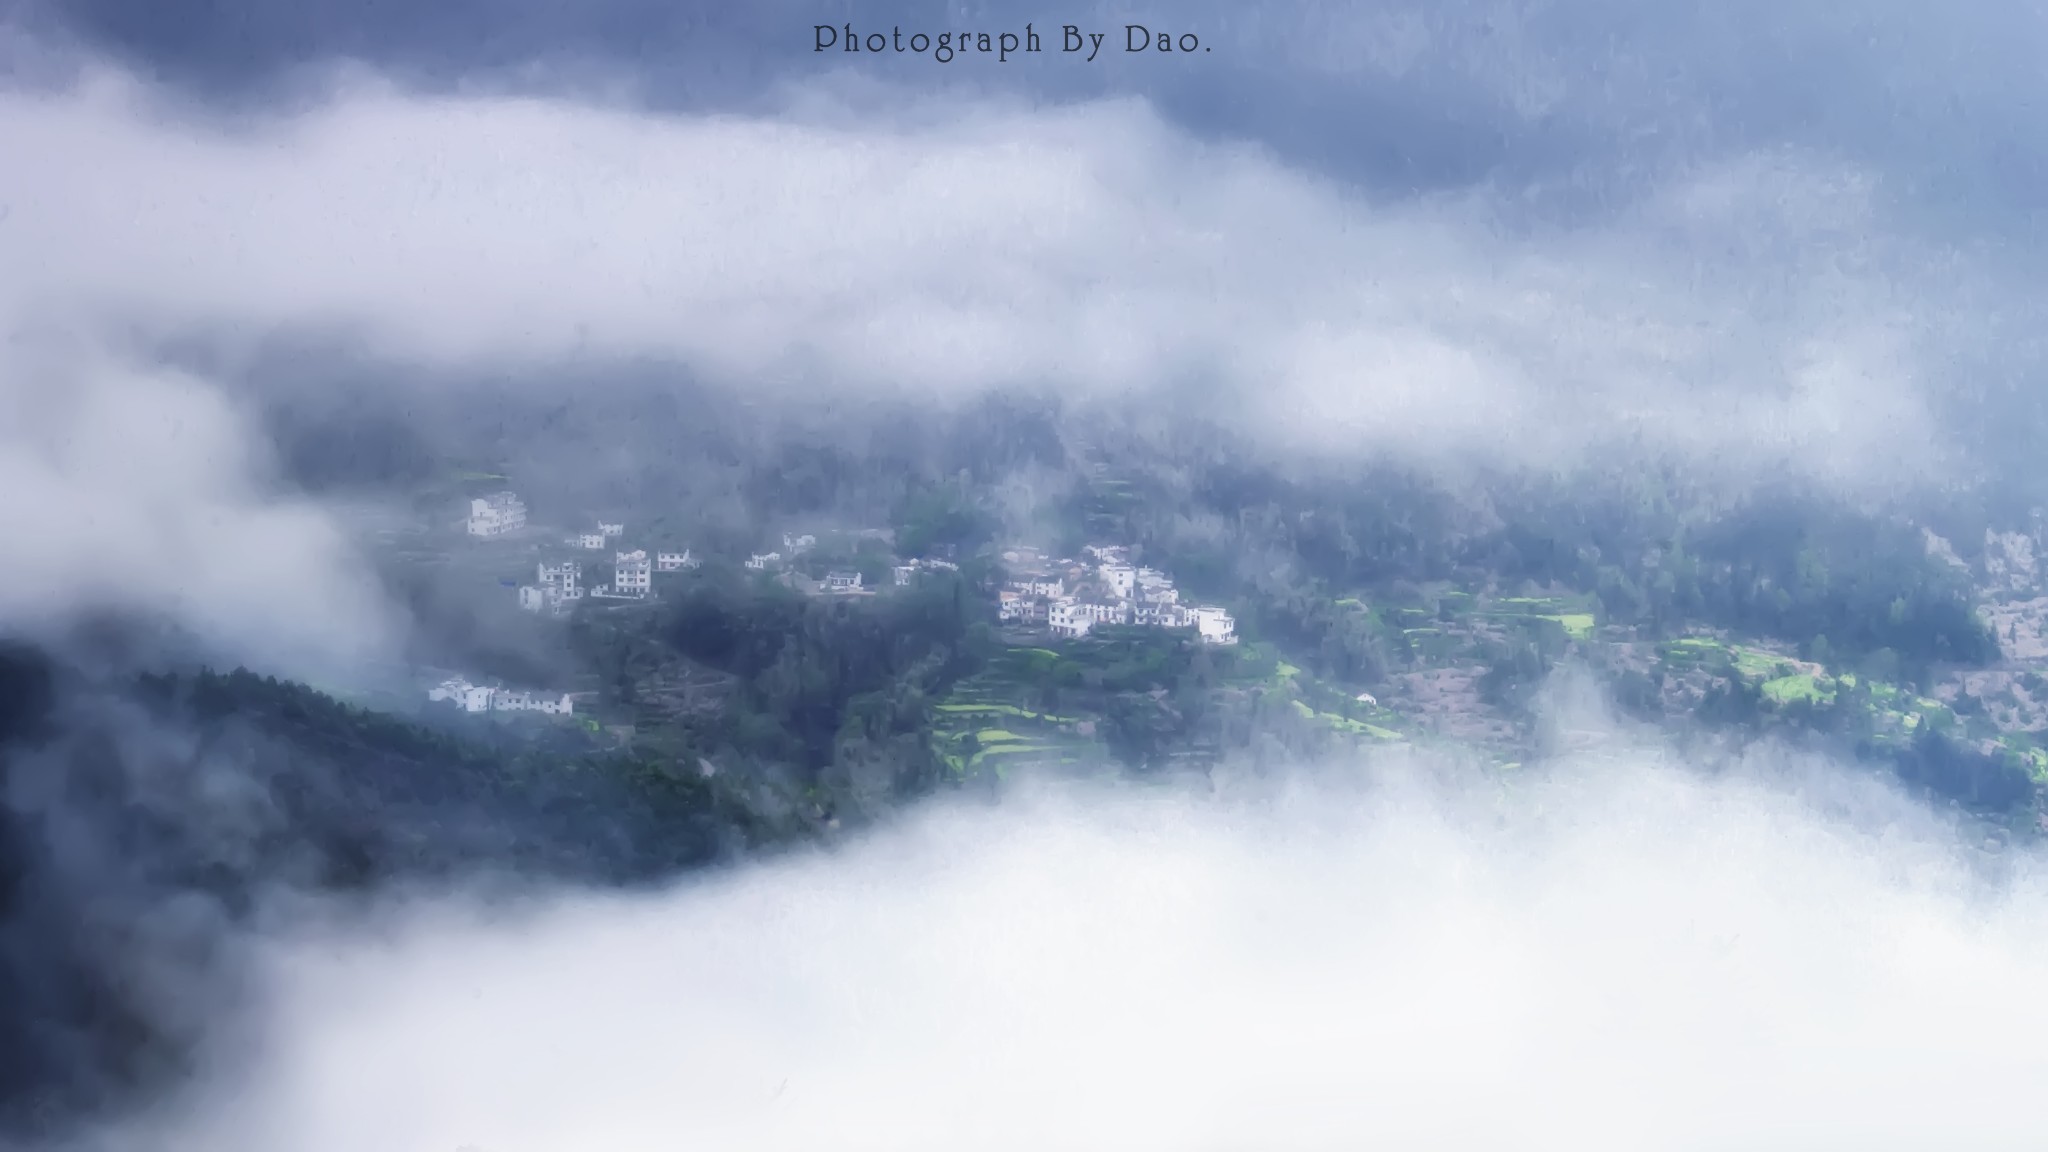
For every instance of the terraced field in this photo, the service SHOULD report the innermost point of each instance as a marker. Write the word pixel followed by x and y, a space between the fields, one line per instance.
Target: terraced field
pixel 991 721
pixel 1577 615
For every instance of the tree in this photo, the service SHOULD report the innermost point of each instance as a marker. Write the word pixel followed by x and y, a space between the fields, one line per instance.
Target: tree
pixel 1818 651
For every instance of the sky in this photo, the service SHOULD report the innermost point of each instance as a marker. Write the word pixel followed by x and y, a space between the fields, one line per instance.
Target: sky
pixel 1748 235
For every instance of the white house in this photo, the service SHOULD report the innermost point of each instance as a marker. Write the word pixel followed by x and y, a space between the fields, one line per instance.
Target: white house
pixel 560 586
pixel 591 541
pixel 561 705
pixel 796 544
pixel 552 598
pixel 1121 579
pixel 1069 618
pixel 1367 698
pixel 761 560
pixel 673 561
pixel 906 572
pixel 1215 625
pixel 477 698
pixel 631 574
pixel 842 582
pixel 1160 615
pixel 496 515
pixel 466 696
pixel 611 531
pixel 1038 584
pixel 1153 586
pixel 1106 611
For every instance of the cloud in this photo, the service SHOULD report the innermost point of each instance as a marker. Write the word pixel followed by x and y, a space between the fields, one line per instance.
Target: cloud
pixel 1604 953
pixel 1753 312
pixel 129 487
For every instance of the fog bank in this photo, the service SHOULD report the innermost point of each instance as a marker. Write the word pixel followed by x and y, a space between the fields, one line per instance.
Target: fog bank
pixel 1751 309
pixel 1609 953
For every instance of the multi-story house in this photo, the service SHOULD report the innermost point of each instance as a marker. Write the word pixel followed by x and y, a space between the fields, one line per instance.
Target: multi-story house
pixel 631 574
pixel 496 515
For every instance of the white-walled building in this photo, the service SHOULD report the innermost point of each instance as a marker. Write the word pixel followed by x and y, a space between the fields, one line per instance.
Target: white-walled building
pixel 1106 611
pixel 611 531
pixel 908 572
pixel 674 561
pixel 760 561
pixel 631 574
pixel 1036 584
pixel 466 696
pixel 1068 618
pixel 1155 614
pixel 550 598
pixel 496 515
pixel 796 544
pixel 556 705
pixel 1154 586
pixel 590 541
pixel 1215 625
pixel 567 576
pixel 842 582
pixel 1129 595
pixel 478 698
pixel 560 586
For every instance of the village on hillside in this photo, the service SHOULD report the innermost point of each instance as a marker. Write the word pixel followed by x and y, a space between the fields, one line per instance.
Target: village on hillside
pixel 1069 597
pixel 1064 596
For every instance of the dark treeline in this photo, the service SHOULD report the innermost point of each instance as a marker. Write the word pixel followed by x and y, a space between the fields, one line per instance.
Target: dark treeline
pixel 147 815
pixel 825 692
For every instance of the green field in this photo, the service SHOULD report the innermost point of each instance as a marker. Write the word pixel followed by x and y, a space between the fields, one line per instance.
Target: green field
pixel 1577 615
pixel 990 719
pixel 1799 686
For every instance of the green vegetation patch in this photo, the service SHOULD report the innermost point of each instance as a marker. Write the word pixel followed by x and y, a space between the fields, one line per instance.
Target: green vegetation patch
pixel 1752 663
pixel 1003 710
pixel 1801 686
pixel 1577 625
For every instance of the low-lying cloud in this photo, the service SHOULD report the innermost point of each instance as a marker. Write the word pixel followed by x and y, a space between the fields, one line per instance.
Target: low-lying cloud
pixel 1760 310
pixel 129 487
pixel 1608 953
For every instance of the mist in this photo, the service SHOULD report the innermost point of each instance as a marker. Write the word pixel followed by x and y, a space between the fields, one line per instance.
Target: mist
pixel 1609 950
pixel 1750 310
pixel 130 486
pixel 259 272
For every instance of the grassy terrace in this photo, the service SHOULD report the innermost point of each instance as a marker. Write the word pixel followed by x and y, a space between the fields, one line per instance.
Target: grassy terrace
pixel 993 718
pixel 1784 681
pixel 1346 724
pixel 1575 614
